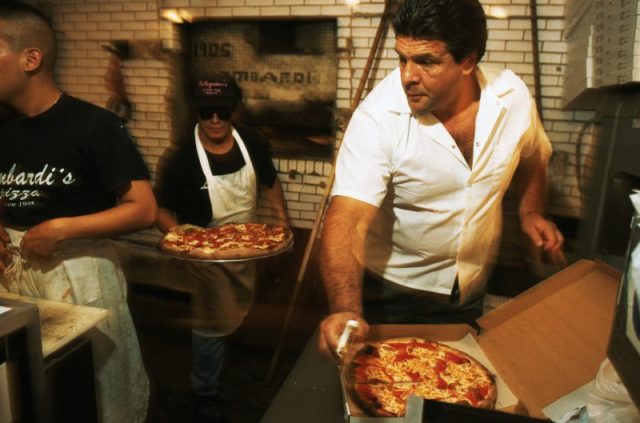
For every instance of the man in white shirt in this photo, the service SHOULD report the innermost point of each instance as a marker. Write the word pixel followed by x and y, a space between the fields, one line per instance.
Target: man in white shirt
pixel 420 176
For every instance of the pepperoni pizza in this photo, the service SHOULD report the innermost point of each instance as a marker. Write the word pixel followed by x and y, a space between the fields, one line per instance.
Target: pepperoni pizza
pixel 231 241
pixel 383 374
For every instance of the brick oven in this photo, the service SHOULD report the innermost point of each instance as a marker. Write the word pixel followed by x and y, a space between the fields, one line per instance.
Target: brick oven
pixel 287 70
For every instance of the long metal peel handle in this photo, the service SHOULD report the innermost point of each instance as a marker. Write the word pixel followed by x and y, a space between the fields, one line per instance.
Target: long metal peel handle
pixel 350 328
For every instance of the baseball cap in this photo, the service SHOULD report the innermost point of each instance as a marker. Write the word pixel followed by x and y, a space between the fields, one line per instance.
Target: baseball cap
pixel 217 90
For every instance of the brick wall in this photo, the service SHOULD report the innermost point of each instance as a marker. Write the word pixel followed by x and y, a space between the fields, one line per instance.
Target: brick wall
pixel 84 26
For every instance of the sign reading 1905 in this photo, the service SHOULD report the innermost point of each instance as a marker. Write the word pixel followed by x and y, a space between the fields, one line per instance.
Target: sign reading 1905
pixel 212 49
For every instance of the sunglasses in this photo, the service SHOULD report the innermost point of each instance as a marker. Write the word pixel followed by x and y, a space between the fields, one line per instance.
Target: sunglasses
pixel 223 113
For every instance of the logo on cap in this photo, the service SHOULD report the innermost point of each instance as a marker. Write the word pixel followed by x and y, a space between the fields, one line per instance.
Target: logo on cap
pixel 212 88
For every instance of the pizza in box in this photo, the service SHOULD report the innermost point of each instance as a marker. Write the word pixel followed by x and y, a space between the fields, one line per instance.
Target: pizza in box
pixel 382 375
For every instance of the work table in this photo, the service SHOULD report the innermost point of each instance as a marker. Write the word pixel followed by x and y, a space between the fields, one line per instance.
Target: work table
pixel 60 323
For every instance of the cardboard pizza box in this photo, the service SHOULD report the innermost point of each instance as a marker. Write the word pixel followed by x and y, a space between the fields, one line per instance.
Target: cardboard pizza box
pixel 543 344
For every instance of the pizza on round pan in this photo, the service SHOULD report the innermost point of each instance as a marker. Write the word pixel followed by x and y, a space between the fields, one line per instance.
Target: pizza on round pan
pixel 231 241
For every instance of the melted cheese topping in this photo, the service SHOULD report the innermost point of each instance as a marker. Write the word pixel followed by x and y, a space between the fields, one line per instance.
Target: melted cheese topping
pixel 231 236
pixel 394 369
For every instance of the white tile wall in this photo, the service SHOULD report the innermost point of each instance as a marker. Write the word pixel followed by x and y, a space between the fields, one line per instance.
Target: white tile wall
pixel 84 26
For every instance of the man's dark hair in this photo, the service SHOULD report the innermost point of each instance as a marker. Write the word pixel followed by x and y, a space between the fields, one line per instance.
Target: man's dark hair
pixel 25 26
pixel 461 24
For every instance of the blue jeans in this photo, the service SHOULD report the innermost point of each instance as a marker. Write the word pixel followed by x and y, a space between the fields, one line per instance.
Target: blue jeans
pixel 206 369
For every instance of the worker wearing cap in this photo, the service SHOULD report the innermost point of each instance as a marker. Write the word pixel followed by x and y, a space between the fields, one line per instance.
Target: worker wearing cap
pixel 211 178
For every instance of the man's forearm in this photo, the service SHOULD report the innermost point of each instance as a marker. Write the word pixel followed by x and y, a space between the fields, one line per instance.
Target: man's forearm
pixel 342 253
pixel 121 219
pixel 166 220
pixel 137 210
pixel 341 275
pixel 531 185
pixel 275 197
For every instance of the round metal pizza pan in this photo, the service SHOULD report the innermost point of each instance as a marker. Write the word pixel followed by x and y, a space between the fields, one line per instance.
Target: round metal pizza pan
pixel 195 260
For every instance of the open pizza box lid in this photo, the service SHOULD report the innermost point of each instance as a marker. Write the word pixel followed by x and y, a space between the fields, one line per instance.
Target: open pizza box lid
pixel 544 343
pixel 551 339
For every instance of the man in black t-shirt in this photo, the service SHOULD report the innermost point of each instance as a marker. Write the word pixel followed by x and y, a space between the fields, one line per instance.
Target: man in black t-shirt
pixel 70 178
pixel 214 178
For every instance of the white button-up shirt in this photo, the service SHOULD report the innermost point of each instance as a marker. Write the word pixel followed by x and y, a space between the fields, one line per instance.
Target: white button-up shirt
pixel 437 217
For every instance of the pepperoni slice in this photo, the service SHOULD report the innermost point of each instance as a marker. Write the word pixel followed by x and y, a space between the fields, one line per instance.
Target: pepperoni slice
pixel 441 366
pixel 414 376
pixel 455 358
pixel 474 395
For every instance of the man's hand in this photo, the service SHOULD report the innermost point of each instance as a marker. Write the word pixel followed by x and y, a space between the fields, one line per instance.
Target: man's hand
pixel 275 197
pixel 331 328
pixel 284 222
pixel 42 240
pixel 545 236
pixel 5 256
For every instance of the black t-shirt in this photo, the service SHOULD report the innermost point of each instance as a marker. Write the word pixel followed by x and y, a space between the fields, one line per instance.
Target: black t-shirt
pixel 67 161
pixel 181 184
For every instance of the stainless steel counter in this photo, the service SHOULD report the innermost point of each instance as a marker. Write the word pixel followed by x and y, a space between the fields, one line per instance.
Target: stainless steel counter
pixel 311 393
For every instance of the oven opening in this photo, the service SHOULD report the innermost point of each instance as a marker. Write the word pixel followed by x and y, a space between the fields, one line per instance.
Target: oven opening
pixel 287 70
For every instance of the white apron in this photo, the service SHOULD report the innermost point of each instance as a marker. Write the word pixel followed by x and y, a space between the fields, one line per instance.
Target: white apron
pixel 87 272
pixel 223 292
